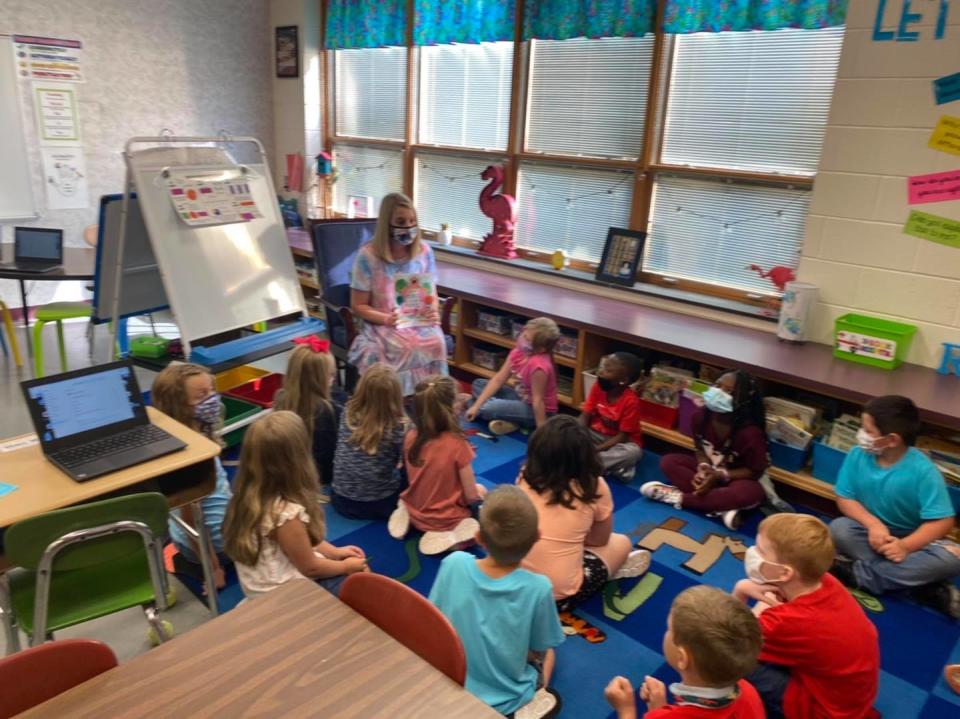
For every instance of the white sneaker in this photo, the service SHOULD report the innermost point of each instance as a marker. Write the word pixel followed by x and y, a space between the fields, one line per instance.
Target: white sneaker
pixel 637 563
pixel 440 542
pixel 502 426
pixel 732 519
pixel 660 492
pixel 542 704
pixel 399 523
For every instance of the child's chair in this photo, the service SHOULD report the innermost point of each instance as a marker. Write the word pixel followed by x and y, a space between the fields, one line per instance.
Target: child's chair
pixel 55 312
pixel 34 675
pixel 84 562
pixel 8 325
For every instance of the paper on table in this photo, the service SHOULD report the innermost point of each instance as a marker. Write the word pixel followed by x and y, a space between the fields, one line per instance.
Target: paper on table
pixel 12 445
pixel 6 488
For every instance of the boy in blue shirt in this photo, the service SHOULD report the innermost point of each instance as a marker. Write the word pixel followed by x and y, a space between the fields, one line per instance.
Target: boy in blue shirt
pixel 897 512
pixel 504 615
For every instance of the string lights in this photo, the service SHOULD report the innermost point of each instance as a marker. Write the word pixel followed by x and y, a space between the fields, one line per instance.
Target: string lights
pixel 451 178
pixel 728 225
pixel 570 200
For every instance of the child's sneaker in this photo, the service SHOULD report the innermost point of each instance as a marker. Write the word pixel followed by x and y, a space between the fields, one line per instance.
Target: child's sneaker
pixel 660 492
pixel 545 704
pixel 732 519
pixel 637 563
pixel 942 596
pixel 324 495
pixel 842 569
pixel 502 426
pixel 440 542
pixel 399 523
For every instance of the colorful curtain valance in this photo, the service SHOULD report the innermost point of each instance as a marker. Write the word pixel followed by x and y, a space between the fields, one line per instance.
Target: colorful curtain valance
pixel 473 21
pixel 352 24
pixel 565 19
pixel 686 16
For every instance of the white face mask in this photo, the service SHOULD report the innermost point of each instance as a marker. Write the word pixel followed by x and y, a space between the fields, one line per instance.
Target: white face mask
pixel 867 443
pixel 752 561
pixel 404 235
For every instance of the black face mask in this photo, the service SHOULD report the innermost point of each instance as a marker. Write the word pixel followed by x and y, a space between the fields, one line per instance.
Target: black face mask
pixel 606 384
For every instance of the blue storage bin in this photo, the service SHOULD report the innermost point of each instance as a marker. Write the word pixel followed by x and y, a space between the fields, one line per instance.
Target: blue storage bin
pixel 787 457
pixel 827 462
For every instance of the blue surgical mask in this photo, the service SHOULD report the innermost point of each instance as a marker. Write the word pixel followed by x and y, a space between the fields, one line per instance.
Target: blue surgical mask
pixel 718 401
pixel 209 411
pixel 404 235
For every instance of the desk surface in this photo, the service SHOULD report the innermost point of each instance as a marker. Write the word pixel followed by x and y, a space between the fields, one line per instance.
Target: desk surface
pixel 77 265
pixel 295 652
pixel 41 487
pixel 809 366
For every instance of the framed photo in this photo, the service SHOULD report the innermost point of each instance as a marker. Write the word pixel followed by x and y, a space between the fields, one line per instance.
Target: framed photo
pixel 287 51
pixel 621 256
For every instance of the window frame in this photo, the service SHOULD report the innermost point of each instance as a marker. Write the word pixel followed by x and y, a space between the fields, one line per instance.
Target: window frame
pixel 644 169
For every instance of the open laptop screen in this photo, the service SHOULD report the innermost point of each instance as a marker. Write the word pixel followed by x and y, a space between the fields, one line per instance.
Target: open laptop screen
pixel 37 243
pixel 83 405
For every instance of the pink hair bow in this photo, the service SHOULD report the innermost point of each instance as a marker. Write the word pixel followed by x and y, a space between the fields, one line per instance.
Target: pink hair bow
pixel 314 343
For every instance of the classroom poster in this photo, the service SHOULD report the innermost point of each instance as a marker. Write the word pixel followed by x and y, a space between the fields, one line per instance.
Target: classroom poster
pixel 946 135
pixel 65 178
pixel 57 114
pixel 936 187
pixel 213 202
pixel 934 228
pixel 415 294
pixel 47 58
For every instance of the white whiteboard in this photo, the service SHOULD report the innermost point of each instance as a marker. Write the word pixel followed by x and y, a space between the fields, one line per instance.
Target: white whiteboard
pixel 222 277
pixel 16 193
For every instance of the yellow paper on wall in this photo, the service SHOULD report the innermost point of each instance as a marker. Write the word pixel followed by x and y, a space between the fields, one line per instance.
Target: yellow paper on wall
pixel 946 135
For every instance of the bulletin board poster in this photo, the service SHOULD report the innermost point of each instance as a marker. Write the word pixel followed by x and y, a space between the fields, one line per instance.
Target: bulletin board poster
pixel 199 203
pixel 58 119
pixel 48 58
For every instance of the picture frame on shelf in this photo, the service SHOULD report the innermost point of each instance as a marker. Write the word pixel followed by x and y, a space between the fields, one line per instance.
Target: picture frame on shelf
pixel 621 256
pixel 287 51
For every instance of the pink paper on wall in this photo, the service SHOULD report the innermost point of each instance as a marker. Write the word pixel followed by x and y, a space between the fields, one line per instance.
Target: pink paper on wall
pixel 938 187
pixel 295 172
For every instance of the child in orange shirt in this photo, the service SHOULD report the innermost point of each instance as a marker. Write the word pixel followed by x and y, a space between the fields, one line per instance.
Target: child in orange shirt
pixel 612 412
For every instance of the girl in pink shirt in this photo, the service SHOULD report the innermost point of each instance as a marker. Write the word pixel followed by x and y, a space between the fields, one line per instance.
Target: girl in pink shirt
pixel 577 549
pixel 439 469
pixel 523 393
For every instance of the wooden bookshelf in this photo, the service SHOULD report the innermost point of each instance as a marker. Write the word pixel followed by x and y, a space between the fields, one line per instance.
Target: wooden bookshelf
pixel 510 343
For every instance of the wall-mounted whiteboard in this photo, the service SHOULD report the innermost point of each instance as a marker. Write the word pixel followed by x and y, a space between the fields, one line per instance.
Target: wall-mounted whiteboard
pixel 16 193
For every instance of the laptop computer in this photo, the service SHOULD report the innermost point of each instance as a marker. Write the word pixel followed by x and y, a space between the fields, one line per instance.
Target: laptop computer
pixel 93 421
pixel 37 249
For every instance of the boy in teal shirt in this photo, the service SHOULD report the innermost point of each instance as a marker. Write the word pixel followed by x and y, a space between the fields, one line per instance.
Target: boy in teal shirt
pixel 897 512
pixel 504 615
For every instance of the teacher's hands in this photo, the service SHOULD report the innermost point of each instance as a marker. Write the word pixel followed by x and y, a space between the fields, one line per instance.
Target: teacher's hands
pixel 390 318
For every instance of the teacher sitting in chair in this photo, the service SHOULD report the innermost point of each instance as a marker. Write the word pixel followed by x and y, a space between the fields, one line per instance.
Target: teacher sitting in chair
pixel 393 289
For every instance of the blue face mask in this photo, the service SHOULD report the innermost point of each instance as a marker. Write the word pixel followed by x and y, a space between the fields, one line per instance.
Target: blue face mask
pixel 208 411
pixel 718 401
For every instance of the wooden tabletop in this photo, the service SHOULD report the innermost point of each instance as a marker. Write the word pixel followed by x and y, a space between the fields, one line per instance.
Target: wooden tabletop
pixel 809 366
pixel 294 652
pixel 42 487
pixel 77 265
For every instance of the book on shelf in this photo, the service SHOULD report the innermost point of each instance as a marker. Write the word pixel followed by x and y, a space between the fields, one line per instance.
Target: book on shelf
pixel 665 384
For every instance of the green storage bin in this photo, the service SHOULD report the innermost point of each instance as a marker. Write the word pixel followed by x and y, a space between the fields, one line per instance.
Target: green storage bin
pixel 236 410
pixel 872 341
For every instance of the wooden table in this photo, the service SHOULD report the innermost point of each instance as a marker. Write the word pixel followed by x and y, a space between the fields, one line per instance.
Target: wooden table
pixel 77 265
pixel 294 652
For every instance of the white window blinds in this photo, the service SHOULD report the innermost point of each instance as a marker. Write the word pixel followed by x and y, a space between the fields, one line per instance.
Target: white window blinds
pixel 589 97
pixel 365 172
pixel 371 92
pixel 711 231
pixel 465 94
pixel 751 100
pixel 570 208
pixel 448 190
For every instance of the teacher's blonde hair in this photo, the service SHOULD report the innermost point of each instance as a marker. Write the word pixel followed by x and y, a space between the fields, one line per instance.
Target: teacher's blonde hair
pixel 381 236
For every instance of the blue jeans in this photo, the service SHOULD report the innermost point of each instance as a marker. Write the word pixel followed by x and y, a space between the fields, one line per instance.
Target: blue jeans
pixel 877 574
pixel 770 681
pixel 505 404
pixel 332 584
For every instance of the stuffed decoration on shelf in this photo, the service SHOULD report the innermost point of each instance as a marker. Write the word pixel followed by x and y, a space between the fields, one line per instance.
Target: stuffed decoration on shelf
pixel 778 275
pixel 502 209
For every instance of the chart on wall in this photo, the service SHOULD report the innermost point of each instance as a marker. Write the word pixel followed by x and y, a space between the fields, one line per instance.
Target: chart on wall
pixel 212 202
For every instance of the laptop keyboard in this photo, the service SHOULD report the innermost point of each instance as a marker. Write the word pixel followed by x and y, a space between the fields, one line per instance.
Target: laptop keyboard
pixel 131 439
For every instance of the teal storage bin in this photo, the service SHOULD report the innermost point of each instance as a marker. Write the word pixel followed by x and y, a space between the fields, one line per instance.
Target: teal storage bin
pixel 827 462
pixel 787 457
pixel 236 410
pixel 872 341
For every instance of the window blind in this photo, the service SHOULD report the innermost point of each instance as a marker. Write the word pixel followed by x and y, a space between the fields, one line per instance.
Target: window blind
pixel 366 172
pixel 371 92
pixel 454 201
pixel 711 231
pixel 465 94
pixel 570 208
pixel 589 97
pixel 751 100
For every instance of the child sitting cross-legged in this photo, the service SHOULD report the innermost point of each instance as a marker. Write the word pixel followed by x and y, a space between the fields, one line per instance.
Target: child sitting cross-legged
pixel 820 657
pixel 504 614
pixel 612 412
pixel 712 640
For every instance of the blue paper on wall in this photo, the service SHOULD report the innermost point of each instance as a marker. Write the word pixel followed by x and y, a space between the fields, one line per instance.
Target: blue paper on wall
pixel 947 89
pixel 6 488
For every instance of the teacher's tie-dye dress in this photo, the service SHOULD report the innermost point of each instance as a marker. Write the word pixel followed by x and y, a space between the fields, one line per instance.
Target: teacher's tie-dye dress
pixel 414 352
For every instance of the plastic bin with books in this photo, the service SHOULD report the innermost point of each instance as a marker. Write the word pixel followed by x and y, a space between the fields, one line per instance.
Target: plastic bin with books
pixel 790 428
pixel 660 400
pixel 832 447
pixel 497 323
pixel 691 399
pixel 944 451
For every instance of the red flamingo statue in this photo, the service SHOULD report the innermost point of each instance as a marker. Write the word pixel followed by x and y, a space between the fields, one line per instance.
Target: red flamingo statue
pixel 778 275
pixel 502 209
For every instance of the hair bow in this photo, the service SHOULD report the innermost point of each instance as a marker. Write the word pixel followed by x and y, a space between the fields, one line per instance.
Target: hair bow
pixel 314 343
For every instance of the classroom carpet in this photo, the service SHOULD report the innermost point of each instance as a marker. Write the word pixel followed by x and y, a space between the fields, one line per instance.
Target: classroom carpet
pixel 621 631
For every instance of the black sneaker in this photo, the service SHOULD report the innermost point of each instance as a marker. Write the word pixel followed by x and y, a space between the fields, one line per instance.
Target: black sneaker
pixel 842 569
pixel 942 596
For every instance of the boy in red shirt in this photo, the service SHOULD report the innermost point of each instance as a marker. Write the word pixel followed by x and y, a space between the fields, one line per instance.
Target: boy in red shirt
pixel 712 640
pixel 612 412
pixel 820 657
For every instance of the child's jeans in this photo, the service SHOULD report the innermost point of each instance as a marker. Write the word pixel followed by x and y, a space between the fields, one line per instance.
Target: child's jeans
pixel 505 404
pixel 877 574
pixel 621 457
pixel 770 681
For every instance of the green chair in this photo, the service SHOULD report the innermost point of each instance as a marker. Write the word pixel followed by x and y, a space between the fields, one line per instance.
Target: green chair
pixel 55 312
pixel 84 562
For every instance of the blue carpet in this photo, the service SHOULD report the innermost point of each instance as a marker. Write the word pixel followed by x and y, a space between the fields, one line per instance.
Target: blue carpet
pixel 688 549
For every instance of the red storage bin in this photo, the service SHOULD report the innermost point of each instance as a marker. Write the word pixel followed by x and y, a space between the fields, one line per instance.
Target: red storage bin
pixel 658 414
pixel 259 391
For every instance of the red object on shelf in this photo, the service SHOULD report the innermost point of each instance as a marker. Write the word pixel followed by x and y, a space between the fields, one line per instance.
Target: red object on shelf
pixel 658 414
pixel 260 391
